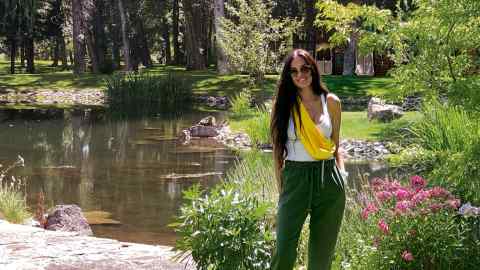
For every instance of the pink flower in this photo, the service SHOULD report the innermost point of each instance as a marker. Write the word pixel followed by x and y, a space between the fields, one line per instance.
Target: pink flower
pixel 383 196
pixel 376 183
pixel 402 194
pixel 417 182
pixel 402 206
pixel 454 204
pixel 383 226
pixel 435 207
pixel 438 192
pixel 407 256
pixel 421 196
pixel 370 209
pixel 393 186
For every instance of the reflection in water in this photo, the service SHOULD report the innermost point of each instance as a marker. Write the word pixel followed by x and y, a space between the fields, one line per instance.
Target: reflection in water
pixel 116 166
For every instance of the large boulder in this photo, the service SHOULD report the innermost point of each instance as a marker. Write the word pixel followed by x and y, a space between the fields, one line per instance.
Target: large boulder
pixel 377 109
pixel 68 218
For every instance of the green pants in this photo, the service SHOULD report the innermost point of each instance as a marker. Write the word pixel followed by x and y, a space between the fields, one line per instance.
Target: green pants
pixel 314 188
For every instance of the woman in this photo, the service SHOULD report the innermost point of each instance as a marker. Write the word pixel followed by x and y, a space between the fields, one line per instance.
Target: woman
pixel 305 130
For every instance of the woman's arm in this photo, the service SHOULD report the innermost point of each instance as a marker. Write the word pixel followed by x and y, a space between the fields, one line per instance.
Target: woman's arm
pixel 335 109
pixel 278 164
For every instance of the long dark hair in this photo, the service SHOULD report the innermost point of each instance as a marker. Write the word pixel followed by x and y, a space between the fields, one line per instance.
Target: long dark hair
pixel 286 101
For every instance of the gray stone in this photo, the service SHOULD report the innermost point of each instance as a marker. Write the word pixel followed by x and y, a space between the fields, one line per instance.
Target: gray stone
pixel 68 218
pixel 377 109
pixel 208 121
pixel 203 131
pixel 29 248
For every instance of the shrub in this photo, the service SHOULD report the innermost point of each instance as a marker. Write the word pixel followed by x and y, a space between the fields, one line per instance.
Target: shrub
pixel 225 229
pixel 146 94
pixel 409 227
pixel 231 227
pixel 241 105
pixel 12 198
pixel 444 146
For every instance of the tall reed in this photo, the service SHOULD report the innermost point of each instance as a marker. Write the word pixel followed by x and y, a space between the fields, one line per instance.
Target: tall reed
pixel 446 128
pixel 13 204
pixel 145 94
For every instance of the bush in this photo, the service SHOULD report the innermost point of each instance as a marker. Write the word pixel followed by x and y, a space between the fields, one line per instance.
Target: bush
pixel 408 227
pixel 241 105
pixel 225 229
pixel 146 94
pixel 231 227
pixel 12 200
pixel 444 146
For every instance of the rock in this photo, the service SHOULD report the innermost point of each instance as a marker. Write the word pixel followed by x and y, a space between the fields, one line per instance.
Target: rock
pixel 203 131
pixel 68 218
pixel 207 121
pixel 29 248
pixel 377 109
pixel 216 102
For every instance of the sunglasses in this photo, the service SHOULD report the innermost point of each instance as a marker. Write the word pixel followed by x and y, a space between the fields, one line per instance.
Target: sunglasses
pixel 305 69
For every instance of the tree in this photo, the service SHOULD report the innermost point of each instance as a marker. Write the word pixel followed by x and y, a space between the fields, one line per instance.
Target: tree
pixel 434 46
pixel 125 28
pixel 252 39
pixel 197 15
pixel 79 38
pixel 222 64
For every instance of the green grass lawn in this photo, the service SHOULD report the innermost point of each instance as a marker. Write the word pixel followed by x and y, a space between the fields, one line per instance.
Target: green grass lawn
pixel 204 82
pixel 355 125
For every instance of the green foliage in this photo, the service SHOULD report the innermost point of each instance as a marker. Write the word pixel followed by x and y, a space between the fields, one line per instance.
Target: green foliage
pixel 444 145
pixel 395 226
pixel 241 105
pixel 145 94
pixel 12 199
pixel 230 228
pixel 446 128
pixel 435 46
pixel 252 39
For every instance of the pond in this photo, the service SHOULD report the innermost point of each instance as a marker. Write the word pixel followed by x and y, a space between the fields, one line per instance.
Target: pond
pixel 133 169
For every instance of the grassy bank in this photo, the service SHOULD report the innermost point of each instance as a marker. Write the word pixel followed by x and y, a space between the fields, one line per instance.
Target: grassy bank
pixel 206 82
pixel 355 125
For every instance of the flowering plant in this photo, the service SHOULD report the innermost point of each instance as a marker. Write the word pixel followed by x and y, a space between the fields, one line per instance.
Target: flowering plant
pixel 416 227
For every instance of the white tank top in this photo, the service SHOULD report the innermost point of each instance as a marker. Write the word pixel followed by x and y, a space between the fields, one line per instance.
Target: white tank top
pixel 295 148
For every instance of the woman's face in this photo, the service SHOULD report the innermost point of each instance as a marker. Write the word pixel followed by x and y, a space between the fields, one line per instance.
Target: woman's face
pixel 301 73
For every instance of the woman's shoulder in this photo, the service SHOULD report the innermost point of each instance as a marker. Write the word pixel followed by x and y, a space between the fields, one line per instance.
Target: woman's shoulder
pixel 333 99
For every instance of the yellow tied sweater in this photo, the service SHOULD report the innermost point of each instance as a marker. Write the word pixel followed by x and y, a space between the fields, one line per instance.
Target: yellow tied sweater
pixel 316 144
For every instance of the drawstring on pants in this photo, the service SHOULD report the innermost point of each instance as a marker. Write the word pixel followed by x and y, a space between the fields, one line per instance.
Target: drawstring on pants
pixel 312 185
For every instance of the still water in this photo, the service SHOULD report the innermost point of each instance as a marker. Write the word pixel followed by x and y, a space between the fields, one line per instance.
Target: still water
pixel 133 169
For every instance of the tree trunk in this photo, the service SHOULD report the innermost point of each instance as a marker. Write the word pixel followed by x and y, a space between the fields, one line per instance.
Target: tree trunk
pixel 63 52
pixel 13 53
pixel 22 54
pixel 176 46
pixel 349 55
pixel 195 30
pixel 125 30
pixel 92 52
pixel 114 29
pixel 79 51
pixel 30 54
pixel 56 51
pixel 100 40
pixel 144 51
pixel 166 38
pixel 310 14
pixel 222 64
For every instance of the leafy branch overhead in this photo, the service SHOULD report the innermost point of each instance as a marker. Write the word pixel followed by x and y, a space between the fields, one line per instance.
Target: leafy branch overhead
pixel 253 40
pixel 434 45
